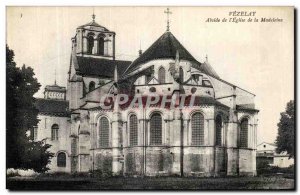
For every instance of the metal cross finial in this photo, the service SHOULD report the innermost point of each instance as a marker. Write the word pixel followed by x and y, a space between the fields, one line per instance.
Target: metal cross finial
pixel 55 77
pixel 168 20
pixel 93 16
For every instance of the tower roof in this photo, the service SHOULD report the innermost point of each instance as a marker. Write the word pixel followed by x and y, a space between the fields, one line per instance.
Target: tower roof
pixel 163 48
pixel 55 88
pixel 94 24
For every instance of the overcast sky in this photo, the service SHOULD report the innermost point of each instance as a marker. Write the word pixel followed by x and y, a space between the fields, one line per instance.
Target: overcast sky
pixel 255 56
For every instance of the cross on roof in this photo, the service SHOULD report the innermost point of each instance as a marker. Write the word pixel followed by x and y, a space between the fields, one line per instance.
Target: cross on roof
pixel 168 20
pixel 93 16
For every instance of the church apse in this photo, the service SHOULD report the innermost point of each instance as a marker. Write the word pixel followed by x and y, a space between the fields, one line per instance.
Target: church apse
pixel 164 113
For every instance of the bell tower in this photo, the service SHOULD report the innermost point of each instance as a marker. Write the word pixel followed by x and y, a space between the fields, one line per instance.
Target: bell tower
pixel 94 40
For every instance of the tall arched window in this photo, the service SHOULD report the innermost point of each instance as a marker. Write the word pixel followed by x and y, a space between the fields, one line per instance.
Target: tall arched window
pixel 197 129
pixel 181 75
pixel 133 129
pixel 91 86
pixel 90 44
pixel 156 129
pixel 61 159
pixel 104 132
pixel 218 130
pixel 161 75
pixel 101 46
pixel 244 133
pixel 54 132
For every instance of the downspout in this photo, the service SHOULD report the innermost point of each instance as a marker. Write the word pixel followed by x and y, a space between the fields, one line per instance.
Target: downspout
pixel 215 148
pixel 145 142
pixel 181 144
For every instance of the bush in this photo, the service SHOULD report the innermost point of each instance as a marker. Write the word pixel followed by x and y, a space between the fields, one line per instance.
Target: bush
pixel 263 168
pixel 99 173
pixel 20 172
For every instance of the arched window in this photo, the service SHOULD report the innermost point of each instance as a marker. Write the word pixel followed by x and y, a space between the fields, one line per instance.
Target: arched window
pixel 101 46
pixel 54 132
pixel 91 86
pixel 197 129
pixel 133 129
pixel 156 129
pixel 218 130
pixel 161 75
pixel 90 44
pixel 181 76
pixel 61 159
pixel 104 132
pixel 244 133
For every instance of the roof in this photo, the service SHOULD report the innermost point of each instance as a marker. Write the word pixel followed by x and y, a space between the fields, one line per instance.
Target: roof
pixel 93 23
pixel 55 87
pixel 52 107
pixel 246 107
pixel 164 47
pixel 267 143
pixel 100 67
pixel 207 69
pixel 198 100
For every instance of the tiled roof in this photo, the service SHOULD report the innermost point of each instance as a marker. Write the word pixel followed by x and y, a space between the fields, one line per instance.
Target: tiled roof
pixel 93 23
pixel 52 107
pixel 246 107
pixel 100 67
pixel 165 47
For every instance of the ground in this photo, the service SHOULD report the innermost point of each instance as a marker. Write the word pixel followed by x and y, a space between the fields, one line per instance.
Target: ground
pixel 158 183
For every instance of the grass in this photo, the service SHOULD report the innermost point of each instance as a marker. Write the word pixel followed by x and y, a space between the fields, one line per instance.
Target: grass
pixel 65 182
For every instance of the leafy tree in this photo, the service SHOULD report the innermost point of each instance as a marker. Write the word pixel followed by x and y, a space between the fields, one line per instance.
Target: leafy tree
pixel 286 131
pixel 21 115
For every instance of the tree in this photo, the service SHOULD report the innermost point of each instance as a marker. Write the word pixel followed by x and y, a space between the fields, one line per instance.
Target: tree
pixel 21 115
pixel 286 131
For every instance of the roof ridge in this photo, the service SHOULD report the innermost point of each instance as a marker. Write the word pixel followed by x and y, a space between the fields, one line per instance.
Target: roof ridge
pixel 164 47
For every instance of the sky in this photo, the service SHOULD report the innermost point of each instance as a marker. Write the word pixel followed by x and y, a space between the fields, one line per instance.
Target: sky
pixel 258 57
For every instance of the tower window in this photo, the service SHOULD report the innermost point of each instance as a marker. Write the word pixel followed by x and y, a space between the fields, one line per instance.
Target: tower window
pixel 161 75
pixel 133 129
pixel 156 129
pixel 244 133
pixel 91 86
pixel 61 159
pixel 197 129
pixel 90 45
pixel 218 130
pixel 101 46
pixel 104 132
pixel 54 132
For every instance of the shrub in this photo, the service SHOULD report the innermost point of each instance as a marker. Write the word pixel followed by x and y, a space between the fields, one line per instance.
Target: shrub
pixel 99 173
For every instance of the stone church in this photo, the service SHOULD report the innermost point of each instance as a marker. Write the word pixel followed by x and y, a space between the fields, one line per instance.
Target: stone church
pixel 213 137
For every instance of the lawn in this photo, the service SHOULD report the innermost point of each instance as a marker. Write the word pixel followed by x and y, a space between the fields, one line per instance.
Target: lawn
pixel 159 183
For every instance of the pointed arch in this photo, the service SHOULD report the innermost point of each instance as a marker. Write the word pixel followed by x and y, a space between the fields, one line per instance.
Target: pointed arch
pixel 162 75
